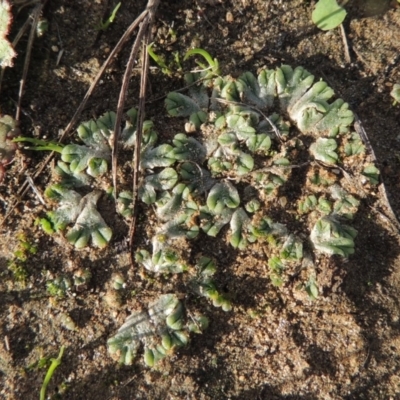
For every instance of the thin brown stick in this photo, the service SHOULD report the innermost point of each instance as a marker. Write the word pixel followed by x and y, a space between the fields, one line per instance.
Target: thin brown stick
pixel 36 14
pixel 345 44
pixel 152 7
pixel 121 101
pixel 25 186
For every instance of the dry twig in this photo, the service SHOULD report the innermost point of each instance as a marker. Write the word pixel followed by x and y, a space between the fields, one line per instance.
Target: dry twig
pixel 345 44
pixel 151 7
pixel 146 18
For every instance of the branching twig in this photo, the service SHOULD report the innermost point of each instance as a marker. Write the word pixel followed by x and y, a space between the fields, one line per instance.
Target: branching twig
pixel 121 100
pixel 151 7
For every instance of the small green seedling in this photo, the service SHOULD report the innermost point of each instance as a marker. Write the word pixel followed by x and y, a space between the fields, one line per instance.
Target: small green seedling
pixel 312 288
pixel 213 64
pixel 59 286
pixel 104 25
pixel 42 27
pixel 159 60
pixel 166 68
pixel 55 362
pixel 372 173
pixel 328 14
pixel 39 144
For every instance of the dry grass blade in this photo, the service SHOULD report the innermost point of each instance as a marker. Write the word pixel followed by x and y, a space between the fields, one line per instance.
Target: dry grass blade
pixel 25 186
pixel 122 97
pixel 152 7
pixel 37 11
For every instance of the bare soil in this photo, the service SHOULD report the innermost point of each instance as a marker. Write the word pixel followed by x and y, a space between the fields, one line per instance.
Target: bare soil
pixel 275 343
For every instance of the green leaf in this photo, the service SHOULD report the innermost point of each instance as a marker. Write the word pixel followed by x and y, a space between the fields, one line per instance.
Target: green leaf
pixel 227 139
pixel 372 173
pixel 312 289
pixel 308 204
pixel 212 63
pixel 263 229
pixel 229 90
pixel 179 338
pixel 245 163
pixel 164 180
pixel 331 237
pixel 104 25
pixel 196 178
pixel 149 326
pixel 199 324
pixel 312 104
pixel 336 119
pixel 160 156
pixel 276 264
pixel 354 145
pixel 198 118
pixel 94 155
pixel 179 105
pixel 147 193
pixel 251 90
pixel 259 143
pixel 124 204
pixel 206 266
pixel 292 86
pixel 324 150
pixel 188 149
pixel 292 249
pixel 267 84
pixel 282 161
pixel 168 209
pixel 324 205
pixel 252 206
pixel 277 267
pixel 212 223
pixel 345 205
pixel 175 319
pixel 240 126
pixel 82 211
pixel 222 195
pixel 69 179
pixel 128 134
pixel 148 358
pixel 239 223
pixel 68 209
pixel 328 14
pixel 89 225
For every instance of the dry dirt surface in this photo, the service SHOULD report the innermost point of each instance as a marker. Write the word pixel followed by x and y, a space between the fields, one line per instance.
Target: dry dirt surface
pixel 275 343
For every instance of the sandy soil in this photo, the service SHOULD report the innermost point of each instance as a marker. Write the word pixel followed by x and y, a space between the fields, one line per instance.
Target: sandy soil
pixel 275 343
